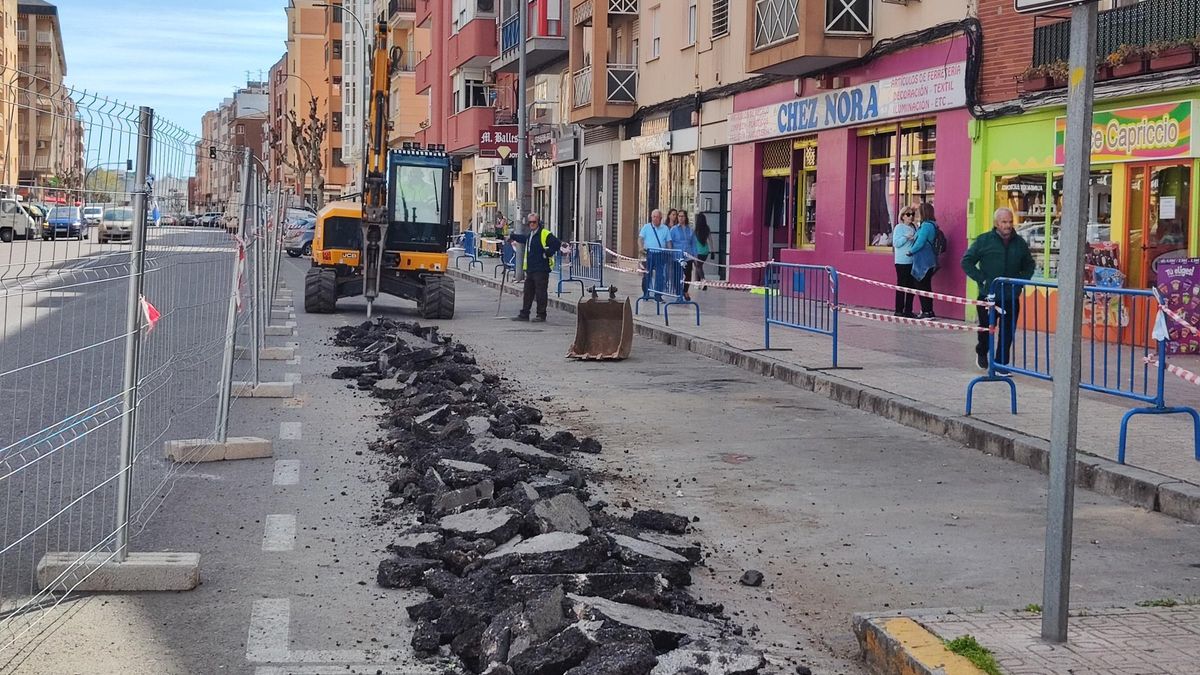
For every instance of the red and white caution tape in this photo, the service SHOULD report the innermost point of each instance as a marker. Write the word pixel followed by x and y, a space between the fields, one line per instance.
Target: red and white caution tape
pixel 1179 320
pixel 1181 373
pixel 241 268
pixel 914 291
pixel 150 313
pixel 732 266
pixel 889 318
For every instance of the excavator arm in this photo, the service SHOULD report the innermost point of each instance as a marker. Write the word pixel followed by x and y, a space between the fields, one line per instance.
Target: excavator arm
pixel 375 214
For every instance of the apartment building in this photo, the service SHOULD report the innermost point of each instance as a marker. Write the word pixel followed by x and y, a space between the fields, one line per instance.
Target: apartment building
pixel 206 167
pixel 408 46
pixel 10 158
pixel 50 135
pixel 1143 205
pixel 277 124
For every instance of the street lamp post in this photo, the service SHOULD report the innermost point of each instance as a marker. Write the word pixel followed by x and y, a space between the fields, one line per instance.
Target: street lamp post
pixel 366 79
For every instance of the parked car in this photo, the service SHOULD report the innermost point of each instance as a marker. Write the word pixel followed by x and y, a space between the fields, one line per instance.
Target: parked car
pixel 36 211
pixel 65 221
pixel 298 237
pixel 210 219
pixel 15 221
pixel 116 224
pixel 92 214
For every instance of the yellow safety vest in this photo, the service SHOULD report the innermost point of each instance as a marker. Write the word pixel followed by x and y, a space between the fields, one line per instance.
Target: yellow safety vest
pixel 545 238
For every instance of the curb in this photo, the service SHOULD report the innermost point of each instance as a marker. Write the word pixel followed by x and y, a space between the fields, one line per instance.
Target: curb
pixel 898 645
pixel 1140 487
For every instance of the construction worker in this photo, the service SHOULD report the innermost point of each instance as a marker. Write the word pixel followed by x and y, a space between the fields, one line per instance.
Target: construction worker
pixel 540 249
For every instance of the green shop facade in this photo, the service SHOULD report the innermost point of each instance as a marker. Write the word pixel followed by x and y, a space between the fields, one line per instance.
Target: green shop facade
pixel 1144 194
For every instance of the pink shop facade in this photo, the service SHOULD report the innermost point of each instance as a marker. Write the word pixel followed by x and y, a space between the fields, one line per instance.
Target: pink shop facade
pixel 821 169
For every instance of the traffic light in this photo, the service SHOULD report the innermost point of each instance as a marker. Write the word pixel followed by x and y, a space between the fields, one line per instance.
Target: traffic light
pixel 212 152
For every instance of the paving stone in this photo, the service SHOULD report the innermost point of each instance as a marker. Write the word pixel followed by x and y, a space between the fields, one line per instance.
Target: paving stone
pixel 562 513
pixel 495 524
pixel 715 657
pixel 652 620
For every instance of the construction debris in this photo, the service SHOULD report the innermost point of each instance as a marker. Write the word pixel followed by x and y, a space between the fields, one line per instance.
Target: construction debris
pixel 527 573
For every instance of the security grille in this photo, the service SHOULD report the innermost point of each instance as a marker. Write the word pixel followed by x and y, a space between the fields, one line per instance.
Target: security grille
pixel 720 18
pixel 775 21
pixel 848 17
pixel 777 155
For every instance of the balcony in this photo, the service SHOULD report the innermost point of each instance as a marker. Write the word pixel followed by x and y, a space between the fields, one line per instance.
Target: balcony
pixel 617 81
pixel 1137 26
pixel 784 38
pixel 424 13
pixel 473 46
pixel 421 76
pixel 404 62
pixel 546 38
pixel 462 129
pixel 401 12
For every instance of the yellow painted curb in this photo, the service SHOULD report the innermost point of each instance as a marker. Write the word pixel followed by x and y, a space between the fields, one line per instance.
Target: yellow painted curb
pixel 927 649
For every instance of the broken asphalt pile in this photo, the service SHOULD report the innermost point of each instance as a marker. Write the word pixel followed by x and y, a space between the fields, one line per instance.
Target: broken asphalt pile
pixel 527 573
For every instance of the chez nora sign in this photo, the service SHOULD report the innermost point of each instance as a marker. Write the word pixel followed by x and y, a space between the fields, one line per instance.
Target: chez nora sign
pixel 916 93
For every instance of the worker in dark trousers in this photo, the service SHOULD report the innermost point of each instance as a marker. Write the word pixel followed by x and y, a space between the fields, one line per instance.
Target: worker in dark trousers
pixel 540 249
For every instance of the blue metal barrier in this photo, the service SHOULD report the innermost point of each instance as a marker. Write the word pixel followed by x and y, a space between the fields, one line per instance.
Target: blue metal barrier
pixel 508 259
pixel 470 245
pixel 665 269
pixel 584 265
pixel 1118 347
pixel 804 297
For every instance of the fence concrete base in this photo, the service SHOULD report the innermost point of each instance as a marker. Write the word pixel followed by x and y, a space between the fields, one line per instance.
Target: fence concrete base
pixel 139 572
pixel 268 353
pixel 207 450
pixel 265 389
pixel 285 304
pixel 280 331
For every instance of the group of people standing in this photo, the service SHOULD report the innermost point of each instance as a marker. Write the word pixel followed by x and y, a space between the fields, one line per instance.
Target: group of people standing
pixel 916 261
pixel 676 234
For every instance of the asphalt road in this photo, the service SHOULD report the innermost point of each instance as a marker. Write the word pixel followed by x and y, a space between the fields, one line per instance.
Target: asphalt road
pixel 842 512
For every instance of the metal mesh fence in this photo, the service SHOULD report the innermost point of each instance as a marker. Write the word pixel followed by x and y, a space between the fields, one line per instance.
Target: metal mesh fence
pixel 121 330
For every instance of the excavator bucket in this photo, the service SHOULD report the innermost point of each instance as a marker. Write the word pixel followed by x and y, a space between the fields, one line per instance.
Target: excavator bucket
pixel 603 328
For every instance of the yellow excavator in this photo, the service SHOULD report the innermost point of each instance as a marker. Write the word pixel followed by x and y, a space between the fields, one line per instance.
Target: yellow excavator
pixel 395 241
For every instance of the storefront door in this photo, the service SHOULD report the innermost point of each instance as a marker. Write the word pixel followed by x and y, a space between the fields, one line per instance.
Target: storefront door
pixel 1159 218
pixel 778 224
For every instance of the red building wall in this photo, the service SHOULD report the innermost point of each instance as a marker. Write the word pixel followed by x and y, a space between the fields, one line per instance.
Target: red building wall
pixel 1007 49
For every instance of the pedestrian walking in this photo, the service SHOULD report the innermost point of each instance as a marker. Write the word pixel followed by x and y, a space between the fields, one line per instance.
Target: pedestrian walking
pixel 683 238
pixel 925 262
pixel 999 253
pixel 540 249
pixel 653 235
pixel 903 235
pixel 703 234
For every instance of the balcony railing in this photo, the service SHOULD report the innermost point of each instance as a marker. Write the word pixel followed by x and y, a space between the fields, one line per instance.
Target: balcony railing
pixel 405 62
pixel 510 34
pixel 623 7
pixel 622 83
pixel 581 87
pixel 775 21
pixel 1139 25
pixel 401 6
pixel 510 38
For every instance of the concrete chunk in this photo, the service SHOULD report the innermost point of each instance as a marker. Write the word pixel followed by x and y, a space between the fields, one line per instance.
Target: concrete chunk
pixel 553 542
pixel 716 657
pixel 646 549
pixel 590 607
pixel 562 513
pixel 139 572
pixel 478 426
pixel 207 450
pixel 495 524
pixel 264 389
pixel 468 467
pixel 435 415
pixel 468 496
pixel 509 446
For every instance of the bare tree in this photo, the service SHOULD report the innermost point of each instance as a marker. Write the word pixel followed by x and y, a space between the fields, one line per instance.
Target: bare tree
pixel 306 137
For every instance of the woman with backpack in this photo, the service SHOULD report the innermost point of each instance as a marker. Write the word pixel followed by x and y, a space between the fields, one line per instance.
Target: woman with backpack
pixel 924 256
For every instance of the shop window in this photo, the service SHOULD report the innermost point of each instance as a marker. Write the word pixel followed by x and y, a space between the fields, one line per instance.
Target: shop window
pixel 806 194
pixel 683 183
pixel 1038 218
pixel 900 172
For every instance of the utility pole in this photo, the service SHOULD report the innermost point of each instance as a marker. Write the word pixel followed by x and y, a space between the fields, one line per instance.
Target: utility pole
pixel 524 174
pixel 1064 405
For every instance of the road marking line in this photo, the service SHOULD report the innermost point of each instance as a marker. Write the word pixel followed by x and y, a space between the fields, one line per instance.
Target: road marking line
pixel 287 472
pixel 290 431
pixel 279 533
pixel 294 378
pixel 293 362
pixel 267 640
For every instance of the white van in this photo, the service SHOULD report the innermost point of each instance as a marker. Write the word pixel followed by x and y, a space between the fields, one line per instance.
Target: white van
pixel 15 222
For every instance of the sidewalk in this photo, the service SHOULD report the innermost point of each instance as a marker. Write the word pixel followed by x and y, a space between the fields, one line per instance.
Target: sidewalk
pixel 918 376
pixel 1148 641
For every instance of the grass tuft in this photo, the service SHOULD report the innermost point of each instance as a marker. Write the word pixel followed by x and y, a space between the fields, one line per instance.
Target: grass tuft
pixel 1158 602
pixel 1033 608
pixel 970 649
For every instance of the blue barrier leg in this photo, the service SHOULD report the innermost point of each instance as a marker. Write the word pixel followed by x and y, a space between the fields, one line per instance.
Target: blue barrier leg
pixel 471 265
pixel 1158 411
pixel 667 307
pixel 1012 387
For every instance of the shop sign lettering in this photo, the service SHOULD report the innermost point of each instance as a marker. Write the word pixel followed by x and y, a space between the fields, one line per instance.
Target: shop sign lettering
pixel 925 91
pixel 1152 132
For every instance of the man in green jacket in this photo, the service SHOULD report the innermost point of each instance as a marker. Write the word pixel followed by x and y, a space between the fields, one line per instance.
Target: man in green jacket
pixel 999 253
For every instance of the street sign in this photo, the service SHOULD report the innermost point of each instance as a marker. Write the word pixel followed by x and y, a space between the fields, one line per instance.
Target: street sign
pixel 1032 6
pixel 504 174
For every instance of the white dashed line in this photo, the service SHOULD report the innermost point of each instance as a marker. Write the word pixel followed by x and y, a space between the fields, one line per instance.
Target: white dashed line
pixel 287 472
pixel 290 431
pixel 279 533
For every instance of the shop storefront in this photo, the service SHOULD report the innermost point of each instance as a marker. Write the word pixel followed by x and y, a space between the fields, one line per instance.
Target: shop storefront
pixel 1143 195
pixel 819 175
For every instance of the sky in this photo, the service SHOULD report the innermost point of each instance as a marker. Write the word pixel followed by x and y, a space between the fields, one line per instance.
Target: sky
pixel 180 57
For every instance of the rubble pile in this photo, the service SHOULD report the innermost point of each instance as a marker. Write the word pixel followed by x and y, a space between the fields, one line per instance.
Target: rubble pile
pixel 527 572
